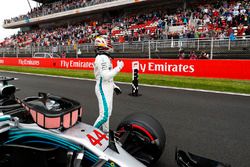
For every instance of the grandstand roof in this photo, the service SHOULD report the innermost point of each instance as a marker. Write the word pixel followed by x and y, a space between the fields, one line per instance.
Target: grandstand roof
pixel 46 1
pixel 84 11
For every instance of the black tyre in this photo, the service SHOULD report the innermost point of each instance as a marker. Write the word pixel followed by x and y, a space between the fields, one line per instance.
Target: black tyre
pixel 143 137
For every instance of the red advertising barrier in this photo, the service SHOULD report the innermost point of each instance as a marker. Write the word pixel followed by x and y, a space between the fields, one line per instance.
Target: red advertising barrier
pixel 231 69
pixel 84 64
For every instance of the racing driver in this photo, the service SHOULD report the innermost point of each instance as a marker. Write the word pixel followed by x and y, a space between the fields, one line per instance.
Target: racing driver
pixel 105 86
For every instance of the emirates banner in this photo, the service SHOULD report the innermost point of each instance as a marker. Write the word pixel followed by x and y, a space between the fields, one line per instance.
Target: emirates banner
pixel 231 69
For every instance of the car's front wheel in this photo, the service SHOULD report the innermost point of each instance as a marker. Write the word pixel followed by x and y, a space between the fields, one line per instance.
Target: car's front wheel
pixel 143 137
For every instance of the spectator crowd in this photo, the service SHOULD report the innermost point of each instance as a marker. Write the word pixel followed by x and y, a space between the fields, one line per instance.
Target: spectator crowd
pixel 203 20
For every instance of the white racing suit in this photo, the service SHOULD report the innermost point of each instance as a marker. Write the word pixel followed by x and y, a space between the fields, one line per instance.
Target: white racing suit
pixel 104 74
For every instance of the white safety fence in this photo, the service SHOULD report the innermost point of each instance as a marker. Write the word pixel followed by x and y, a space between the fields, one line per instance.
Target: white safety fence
pixel 147 47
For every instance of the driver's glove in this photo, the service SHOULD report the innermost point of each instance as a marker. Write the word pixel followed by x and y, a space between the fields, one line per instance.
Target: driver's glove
pixel 117 90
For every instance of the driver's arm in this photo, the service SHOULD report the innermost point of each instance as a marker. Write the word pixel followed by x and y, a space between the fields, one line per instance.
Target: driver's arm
pixel 103 64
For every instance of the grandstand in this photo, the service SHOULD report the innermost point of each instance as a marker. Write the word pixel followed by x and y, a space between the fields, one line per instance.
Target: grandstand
pixel 138 28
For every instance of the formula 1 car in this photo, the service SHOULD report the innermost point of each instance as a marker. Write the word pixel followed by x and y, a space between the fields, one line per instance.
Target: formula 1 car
pixel 46 130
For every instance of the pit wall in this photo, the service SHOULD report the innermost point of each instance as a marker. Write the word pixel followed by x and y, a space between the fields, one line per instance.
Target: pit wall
pixel 230 69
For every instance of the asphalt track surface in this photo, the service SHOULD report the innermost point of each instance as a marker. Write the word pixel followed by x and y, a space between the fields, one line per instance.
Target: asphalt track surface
pixel 213 125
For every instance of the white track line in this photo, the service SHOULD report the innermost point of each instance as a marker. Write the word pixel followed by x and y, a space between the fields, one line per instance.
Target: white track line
pixel 146 85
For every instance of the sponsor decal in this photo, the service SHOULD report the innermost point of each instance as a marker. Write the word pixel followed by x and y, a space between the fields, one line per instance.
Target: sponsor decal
pixel 1 61
pixel 28 62
pixel 164 67
pixel 96 137
pixel 76 64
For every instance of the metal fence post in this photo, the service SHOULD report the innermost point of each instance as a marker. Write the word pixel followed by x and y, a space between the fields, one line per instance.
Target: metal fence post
pixel 212 48
pixel 17 51
pixel 156 46
pixel 50 49
pixel 149 49
pixel 14 50
pixel 198 44
pixel 59 49
pixel 123 49
pixel 76 50
pixel 31 49
pixel 229 44
pixel 142 47
pixel 246 41
pixel 172 42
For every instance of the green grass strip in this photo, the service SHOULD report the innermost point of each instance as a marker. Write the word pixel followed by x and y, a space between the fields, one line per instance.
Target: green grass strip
pixel 224 85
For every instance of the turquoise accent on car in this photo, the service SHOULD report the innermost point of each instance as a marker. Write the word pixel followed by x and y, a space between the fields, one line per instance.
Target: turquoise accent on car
pixel 92 157
pixel 5 118
pixel 16 134
pixel 44 142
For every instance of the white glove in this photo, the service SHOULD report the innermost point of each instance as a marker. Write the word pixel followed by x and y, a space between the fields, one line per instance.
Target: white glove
pixel 120 64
